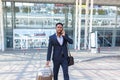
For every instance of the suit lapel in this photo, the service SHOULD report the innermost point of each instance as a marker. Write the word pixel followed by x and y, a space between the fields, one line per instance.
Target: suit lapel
pixel 56 41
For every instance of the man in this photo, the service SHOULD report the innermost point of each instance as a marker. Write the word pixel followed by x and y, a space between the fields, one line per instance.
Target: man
pixel 58 49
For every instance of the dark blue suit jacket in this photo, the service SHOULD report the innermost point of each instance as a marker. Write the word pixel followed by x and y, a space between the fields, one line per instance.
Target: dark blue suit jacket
pixel 55 49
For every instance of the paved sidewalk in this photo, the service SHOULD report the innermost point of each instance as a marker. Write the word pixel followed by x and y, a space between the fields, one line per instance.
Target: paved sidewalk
pixel 88 66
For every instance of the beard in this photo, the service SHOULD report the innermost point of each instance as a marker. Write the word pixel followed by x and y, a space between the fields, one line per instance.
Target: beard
pixel 59 32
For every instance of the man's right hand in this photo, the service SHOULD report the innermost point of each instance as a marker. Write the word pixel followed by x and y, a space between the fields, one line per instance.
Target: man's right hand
pixel 47 63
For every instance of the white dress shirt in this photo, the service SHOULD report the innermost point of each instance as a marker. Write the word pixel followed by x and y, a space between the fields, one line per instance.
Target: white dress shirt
pixel 60 39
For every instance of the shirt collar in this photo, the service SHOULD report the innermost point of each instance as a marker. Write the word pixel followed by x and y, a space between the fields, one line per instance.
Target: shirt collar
pixel 58 36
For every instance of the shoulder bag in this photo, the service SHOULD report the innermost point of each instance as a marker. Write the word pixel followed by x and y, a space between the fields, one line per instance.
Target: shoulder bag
pixel 70 59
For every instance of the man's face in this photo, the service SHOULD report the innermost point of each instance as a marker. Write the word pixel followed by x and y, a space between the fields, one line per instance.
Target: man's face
pixel 59 28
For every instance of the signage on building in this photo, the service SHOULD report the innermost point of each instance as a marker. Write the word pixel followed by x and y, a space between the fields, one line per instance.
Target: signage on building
pixel 31 38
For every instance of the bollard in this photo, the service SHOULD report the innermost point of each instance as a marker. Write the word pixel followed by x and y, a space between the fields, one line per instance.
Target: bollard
pixel 98 49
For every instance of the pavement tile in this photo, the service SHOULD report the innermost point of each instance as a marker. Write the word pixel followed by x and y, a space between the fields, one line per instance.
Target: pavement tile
pixel 88 66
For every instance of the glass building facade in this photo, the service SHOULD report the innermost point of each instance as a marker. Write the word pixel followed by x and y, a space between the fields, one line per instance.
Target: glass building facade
pixel 29 25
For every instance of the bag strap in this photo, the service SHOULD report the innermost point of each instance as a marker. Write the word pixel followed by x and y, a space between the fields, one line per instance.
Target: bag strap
pixel 69 54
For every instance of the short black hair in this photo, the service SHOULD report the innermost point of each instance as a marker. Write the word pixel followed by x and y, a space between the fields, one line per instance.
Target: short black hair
pixel 59 23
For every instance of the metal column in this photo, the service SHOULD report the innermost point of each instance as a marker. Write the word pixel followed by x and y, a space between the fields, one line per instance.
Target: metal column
pixel 115 29
pixel 91 20
pixel 1 27
pixel 86 24
pixel 79 23
pixel 76 24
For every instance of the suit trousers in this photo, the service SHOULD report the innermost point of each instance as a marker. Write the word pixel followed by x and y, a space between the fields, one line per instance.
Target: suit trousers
pixel 56 65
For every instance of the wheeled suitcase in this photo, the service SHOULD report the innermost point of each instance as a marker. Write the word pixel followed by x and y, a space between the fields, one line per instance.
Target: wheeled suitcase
pixel 44 73
pixel 44 78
